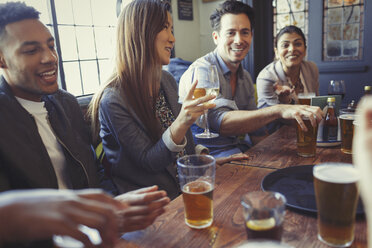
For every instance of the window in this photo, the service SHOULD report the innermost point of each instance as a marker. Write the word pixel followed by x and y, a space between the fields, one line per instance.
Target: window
pixel 84 32
pixel 343 30
pixel 290 12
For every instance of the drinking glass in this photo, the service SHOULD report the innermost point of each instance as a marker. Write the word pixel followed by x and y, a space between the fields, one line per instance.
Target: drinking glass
pixel 263 244
pixel 347 117
pixel 336 195
pixel 208 84
pixel 306 141
pixel 264 214
pixel 337 87
pixel 305 98
pixel 196 174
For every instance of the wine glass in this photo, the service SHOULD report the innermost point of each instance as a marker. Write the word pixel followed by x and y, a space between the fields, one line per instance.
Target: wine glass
pixel 337 87
pixel 208 84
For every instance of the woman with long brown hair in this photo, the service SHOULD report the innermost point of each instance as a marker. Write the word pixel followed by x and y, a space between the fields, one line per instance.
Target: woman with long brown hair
pixel 136 113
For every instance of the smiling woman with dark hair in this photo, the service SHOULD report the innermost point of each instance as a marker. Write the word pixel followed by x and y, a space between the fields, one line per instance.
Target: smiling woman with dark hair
pixel 286 77
pixel 136 113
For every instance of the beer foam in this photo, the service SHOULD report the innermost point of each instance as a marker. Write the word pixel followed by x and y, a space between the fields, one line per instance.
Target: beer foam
pixel 347 116
pixel 263 244
pixel 197 187
pixel 336 173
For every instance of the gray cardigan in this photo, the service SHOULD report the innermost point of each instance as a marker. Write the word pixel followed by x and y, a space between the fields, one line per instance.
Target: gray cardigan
pixel 274 73
pixel 137 161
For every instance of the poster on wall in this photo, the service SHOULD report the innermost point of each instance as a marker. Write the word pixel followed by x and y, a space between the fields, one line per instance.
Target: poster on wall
pixel 185 10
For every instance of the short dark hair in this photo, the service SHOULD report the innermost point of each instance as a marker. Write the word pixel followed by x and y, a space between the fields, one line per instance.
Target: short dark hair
pixel 231 7
pixel 289 30
pixel 13 12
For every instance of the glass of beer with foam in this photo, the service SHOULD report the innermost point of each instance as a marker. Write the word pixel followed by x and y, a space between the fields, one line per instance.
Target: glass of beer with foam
pixel 264 214
pixel 336 193
pixel 196 174
pixel 306 141
pixel 263 244
pixel 305 98
pixel 347 117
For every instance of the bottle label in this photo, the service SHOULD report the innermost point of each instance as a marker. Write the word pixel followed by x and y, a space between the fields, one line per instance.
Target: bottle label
pixel 329 133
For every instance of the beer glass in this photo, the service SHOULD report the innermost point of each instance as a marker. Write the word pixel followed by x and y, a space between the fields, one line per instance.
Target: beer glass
pixel 263 244
pixel 305 98
pixel 306 141
pixel 336 193
pixel 347 117
pixel 263 214
pixel 196 175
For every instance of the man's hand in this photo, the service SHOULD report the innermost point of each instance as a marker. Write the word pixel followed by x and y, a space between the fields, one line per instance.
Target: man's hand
pixel 40 214
pixel 141 207
pixel 297 112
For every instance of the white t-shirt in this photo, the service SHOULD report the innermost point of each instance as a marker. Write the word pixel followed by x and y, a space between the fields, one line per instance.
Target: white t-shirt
pixel 54 149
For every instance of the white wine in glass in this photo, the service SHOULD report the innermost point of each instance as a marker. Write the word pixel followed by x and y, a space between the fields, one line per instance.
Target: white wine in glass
pixel 208 84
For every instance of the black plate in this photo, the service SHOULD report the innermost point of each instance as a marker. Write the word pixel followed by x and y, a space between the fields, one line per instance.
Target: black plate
pixel 296 184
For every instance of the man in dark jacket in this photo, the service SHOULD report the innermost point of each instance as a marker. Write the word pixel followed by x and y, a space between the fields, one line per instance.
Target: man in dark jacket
pixel 44 142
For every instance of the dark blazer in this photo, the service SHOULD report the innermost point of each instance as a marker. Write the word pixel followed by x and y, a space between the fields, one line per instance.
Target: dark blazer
pixel 24 160
pixel 136 161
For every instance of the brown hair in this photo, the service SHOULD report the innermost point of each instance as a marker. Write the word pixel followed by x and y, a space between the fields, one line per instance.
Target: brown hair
pixel 137 70
pixel 289 29
pixel 231 7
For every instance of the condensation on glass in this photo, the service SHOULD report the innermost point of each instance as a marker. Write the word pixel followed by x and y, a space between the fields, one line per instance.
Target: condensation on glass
pixel 343 30
pixel 290 12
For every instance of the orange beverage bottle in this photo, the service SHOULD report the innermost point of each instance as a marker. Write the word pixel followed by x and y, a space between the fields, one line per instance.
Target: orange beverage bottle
pixel 330 127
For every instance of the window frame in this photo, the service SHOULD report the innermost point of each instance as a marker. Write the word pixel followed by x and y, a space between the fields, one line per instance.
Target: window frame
pixel 53 25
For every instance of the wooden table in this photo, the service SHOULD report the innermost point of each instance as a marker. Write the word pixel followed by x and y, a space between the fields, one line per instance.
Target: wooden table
pixel 279 151
pixel 232 181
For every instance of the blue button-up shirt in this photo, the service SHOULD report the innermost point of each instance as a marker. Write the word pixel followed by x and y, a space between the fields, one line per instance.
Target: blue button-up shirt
pixel 244 99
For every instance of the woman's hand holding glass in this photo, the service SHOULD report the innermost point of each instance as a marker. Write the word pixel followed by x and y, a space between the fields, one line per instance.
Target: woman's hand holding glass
pixel 191 110
pixel 208 84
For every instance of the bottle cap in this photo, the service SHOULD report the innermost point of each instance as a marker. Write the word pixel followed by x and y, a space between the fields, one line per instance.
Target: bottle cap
pixel 367 87
pixel 331 99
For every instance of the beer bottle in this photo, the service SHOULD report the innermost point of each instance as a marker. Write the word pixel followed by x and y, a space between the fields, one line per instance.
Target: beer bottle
pixel 330 121
pixel 367 90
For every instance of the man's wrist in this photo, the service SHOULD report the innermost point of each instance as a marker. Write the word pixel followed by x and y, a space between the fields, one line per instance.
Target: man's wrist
pixel 277 110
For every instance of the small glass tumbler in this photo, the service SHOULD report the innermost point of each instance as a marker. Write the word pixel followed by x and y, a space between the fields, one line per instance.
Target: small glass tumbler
pixel 264 214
